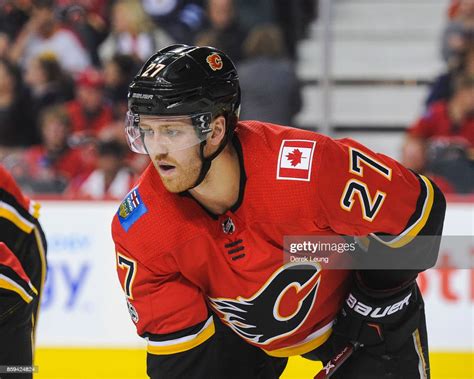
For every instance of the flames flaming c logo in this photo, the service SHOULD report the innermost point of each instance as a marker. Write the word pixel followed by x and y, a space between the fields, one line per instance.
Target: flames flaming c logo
pixel 215 62
pixel 278 309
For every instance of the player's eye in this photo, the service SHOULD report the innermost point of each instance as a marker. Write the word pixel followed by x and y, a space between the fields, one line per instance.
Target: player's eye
pixel 170 132
pixel 147 132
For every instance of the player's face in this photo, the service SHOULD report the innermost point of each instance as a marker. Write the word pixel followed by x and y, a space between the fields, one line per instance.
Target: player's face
pixel 178 170
pixel 173 147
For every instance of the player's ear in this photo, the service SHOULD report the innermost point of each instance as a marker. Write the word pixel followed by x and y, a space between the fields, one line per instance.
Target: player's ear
pixel 218 130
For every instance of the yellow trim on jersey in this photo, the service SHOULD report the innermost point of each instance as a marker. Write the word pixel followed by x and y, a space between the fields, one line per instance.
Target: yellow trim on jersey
pixel 300 349
pixel 11 214
pixel 42 254
pixel 9 284
pixel 35 208
pixel 173 348
pixel 419 351
pixel 412 231
pixel 32 287
pixel 32 337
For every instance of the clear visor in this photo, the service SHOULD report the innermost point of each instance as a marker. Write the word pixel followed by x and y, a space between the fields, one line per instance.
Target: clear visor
pixel 165 134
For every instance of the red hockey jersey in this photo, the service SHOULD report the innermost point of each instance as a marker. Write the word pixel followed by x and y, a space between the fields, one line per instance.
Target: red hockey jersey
pixel 22 245
pixel 174 259
pixel 8 184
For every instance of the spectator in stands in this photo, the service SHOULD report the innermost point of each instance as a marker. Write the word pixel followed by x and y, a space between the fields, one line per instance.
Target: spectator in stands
pixel 254 13
pixel 118 73
pixel 48 83
pixel 95 8
pixel 89 26
pixel 52 166
pixel 224 26
pixel 441 89
pixel 13 16
pixel 294 17
pixel 182 19
pixel 5 45
pixel 453 8
pixel 451 120
pixel 266 62
pixel 90 112
pixel 133 33
pixel 459 32
pixel 111 179
pixel 206 38
pixel 43 33
pixel 449 163
pixel 17 121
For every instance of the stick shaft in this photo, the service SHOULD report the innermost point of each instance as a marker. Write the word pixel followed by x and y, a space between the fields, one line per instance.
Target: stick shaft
pixel 331 367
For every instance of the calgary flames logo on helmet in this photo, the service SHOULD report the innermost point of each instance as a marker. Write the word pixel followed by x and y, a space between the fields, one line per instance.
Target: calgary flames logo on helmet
pixel 215 61
pixel 278 309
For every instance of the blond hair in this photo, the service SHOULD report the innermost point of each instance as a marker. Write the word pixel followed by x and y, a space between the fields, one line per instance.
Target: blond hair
pixel 139 21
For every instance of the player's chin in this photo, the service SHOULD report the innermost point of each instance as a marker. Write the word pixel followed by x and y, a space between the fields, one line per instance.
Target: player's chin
pixel 173 185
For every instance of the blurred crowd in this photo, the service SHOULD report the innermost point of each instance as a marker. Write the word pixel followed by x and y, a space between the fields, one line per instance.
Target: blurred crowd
pixel 441 142
pixel 65 66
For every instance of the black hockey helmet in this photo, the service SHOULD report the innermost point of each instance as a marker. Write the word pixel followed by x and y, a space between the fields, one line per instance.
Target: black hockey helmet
pixel 182 80
pixel 186 80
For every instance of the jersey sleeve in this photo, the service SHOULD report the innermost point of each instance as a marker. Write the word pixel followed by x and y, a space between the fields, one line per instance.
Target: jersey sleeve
pixel 363 193
pixel 13 277
pixel 162 305
pixel 8 185
pixel 171 314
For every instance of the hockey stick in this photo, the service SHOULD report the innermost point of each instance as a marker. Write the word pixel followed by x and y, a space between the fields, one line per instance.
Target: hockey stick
pixel 336 362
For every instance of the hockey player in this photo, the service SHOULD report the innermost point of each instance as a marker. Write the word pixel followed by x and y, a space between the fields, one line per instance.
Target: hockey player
pixel 199 240
pixel 22 275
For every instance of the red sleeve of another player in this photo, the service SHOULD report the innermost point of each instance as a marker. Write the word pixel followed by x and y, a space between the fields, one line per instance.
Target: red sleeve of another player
pixel 363 192
pixel 13 276
pixel 167 310
pixel 8 184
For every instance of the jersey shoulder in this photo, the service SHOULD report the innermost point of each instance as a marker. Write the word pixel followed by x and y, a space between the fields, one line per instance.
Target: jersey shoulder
pixel 150 221
pixel 10 190
pixel 270 136
pixel 280 153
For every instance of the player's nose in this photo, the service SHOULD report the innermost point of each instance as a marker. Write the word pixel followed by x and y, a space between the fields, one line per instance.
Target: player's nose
pixel 161 157
pixel 158 146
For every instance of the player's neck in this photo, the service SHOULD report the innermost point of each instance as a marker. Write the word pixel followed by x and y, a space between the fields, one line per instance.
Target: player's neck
pixel 219 191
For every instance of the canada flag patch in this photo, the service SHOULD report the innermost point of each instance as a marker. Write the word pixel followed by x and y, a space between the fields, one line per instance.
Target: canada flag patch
pixel 295 159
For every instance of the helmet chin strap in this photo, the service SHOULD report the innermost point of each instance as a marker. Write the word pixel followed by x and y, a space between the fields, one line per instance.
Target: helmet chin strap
pixel 207 161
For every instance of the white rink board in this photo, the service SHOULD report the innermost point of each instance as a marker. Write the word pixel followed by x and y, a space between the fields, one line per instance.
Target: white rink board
pixel 84 306
pixel 449 294
pixel 83 303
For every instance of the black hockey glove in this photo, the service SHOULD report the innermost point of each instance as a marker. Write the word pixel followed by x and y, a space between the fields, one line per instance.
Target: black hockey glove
pixel 389 324
pixel 380 320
